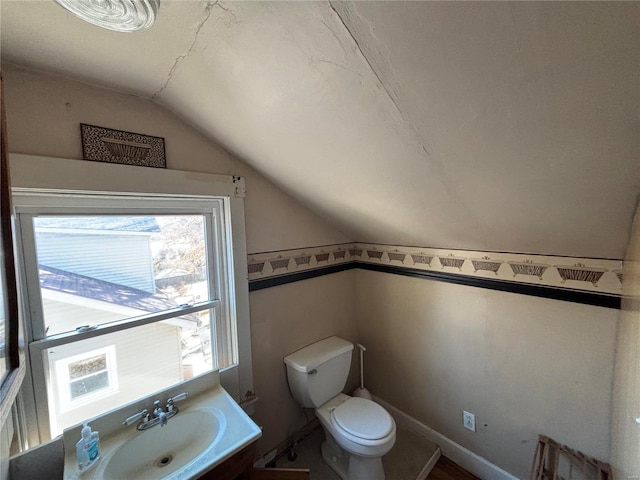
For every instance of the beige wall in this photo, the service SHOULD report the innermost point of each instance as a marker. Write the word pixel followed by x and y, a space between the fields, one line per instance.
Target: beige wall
pixel 625 433
pixel 523 365
pixel 43 115
pixel 283 320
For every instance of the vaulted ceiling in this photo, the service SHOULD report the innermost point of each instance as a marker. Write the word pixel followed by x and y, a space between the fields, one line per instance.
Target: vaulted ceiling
pixel 498 126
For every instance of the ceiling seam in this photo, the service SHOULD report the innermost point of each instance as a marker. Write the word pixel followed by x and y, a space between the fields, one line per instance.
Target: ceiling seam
pixel 422 142
pixel 366 59
pixel 180 58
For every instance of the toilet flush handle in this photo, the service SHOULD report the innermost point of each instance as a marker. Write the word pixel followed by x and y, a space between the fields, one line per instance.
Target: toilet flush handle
pixel 312 372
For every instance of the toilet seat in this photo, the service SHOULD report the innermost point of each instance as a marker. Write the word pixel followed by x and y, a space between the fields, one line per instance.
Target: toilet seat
pixel 362 421
pixel 353 444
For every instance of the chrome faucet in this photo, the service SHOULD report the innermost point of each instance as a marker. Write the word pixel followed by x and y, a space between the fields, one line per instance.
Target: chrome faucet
pixel 159 416
pixel 159 413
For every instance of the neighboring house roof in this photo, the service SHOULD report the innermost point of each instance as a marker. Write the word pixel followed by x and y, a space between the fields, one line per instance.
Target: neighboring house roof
pixel 172 273
pixel 95 289
pixel 116 223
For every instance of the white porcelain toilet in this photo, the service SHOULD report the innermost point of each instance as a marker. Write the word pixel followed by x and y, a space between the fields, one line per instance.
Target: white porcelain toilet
pixel 359 431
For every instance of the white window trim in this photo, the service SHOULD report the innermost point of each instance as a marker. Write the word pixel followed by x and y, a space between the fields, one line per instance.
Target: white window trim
pixel 30 203
pixel 76 176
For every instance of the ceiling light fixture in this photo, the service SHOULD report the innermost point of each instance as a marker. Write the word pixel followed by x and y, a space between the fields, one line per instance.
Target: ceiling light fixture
pixel 118 15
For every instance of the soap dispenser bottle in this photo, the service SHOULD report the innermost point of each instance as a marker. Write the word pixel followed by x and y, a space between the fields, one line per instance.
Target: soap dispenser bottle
pixel 87 448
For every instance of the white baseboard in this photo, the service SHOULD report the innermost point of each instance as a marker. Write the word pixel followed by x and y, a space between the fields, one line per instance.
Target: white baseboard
pixel 430 465
pixel 464 457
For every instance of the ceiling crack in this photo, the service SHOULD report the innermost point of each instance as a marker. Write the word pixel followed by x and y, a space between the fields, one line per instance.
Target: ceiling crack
pixel 366 59
pixel 335 35
pixel 388 89
pixel 422 142
pixel 180 58
pixel 340 66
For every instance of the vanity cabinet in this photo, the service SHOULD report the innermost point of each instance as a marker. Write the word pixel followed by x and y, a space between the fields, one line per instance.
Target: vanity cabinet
pixel 236 467
pixel 240 467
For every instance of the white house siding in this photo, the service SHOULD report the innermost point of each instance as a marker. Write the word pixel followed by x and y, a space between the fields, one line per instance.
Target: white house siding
pixel 62 316
pixel 148 359
pixel 117 258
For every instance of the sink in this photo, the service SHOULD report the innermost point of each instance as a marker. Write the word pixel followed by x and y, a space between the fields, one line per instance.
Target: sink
pixel 162 450
pixel 209 428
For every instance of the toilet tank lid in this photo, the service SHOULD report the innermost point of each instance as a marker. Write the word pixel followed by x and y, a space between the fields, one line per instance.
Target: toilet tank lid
pixel 311 356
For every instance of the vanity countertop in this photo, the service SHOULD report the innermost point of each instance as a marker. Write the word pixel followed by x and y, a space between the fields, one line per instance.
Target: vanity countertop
pixel 238 432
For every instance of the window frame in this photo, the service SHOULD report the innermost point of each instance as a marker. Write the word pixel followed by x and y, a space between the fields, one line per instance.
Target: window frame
pixel 15 359
pixel 150 187
pixel 32 203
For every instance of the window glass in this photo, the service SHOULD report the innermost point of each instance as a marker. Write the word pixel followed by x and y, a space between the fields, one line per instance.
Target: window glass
pixel 88 376
pixel 99 269
pixel 91 376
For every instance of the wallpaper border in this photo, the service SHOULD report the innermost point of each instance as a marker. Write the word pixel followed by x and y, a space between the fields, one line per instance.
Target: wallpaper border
pixel 595 282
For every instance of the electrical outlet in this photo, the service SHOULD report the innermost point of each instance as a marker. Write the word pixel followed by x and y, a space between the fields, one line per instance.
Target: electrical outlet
pixel 469 420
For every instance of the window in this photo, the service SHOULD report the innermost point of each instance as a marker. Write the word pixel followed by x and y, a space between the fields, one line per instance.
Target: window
pixel 144 275
pixel 128 294
pixel 82 378
pixel 87 376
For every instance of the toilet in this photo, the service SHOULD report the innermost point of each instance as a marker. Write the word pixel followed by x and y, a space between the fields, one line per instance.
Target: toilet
pixel 358 431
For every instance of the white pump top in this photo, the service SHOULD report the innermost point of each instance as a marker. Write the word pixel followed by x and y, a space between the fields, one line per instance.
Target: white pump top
pixel 85 433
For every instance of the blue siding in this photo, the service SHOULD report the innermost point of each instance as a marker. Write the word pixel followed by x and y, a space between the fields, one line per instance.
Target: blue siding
pixel 117 258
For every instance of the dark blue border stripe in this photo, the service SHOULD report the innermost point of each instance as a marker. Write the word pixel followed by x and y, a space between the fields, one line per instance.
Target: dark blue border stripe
pixel 296 277
pixel 564 294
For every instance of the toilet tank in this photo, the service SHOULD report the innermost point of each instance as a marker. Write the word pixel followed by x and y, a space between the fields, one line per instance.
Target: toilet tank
pixel 318 372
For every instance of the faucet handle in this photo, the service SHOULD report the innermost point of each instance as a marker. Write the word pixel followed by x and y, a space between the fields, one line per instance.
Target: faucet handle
pixel 180 396
pixel 144 415
pixel 176 398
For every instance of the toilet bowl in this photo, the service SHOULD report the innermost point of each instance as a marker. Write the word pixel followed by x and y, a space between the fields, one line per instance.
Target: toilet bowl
pixel 358 431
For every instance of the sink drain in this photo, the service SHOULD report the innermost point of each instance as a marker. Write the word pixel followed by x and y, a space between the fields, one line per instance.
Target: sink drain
pixel 163 461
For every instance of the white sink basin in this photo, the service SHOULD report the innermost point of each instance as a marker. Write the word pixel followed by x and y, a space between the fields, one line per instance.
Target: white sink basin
pixel 160 451
pixel 209 428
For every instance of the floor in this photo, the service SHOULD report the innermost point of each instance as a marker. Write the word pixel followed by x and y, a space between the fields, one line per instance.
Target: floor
pixel 445 469
pixel 405 461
